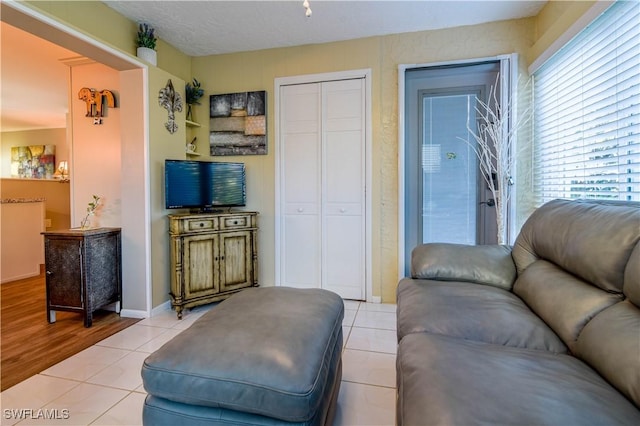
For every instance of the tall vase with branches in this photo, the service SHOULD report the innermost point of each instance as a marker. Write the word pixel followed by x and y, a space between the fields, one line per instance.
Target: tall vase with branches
pixel 494 135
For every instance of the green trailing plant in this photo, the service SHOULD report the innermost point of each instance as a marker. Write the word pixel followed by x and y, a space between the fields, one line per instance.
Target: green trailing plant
pixel 193 93
pixel 91 210
pixel 146 37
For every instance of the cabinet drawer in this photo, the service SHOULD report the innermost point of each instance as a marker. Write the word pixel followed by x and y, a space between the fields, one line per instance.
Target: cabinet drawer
pixel 208 224
pixel 235 222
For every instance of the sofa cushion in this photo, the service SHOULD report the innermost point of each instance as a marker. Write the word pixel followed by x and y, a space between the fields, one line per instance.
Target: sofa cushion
pixel 610 343
pixel 590 239
pixel 471 311
pixel 564 302
pixel 489 264
pixel 266 351
pixel 449 381
pixel 632 277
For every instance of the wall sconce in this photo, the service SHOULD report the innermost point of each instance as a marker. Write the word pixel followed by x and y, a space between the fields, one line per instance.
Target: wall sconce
pixel 62 172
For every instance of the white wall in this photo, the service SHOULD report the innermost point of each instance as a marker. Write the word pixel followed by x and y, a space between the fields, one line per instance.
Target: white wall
pixel 95 164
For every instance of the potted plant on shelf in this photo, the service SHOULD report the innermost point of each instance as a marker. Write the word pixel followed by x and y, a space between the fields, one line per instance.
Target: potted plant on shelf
pixel 193 93
pixel 146 42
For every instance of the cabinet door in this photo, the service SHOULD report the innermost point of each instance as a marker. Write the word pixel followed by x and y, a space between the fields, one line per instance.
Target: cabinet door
pixel 200 265
pixel 64 274
pixel 236 260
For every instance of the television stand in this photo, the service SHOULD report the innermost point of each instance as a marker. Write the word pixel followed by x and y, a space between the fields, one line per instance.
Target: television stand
pixel 213 255
pixel 204 210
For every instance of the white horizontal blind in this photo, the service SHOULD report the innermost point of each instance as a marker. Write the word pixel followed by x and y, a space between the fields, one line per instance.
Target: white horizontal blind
pixel 587 112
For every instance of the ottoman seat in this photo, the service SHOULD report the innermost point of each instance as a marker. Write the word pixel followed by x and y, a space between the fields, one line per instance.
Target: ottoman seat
pixel 264 354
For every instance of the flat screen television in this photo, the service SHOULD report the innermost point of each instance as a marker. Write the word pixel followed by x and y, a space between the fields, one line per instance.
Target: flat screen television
pixel 203 185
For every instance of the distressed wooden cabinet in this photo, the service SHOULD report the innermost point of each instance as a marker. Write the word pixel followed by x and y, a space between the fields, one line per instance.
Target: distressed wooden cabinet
pixel 83 271
pixel 213 255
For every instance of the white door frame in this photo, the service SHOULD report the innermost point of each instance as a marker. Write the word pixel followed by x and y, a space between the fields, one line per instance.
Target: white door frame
pixel 508 67
pixel 318 78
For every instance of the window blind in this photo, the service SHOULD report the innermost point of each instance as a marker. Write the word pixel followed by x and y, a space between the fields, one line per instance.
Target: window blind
pixel 587 112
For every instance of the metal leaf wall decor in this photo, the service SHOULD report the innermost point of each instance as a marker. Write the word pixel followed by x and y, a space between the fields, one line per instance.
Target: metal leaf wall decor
pixel 170 100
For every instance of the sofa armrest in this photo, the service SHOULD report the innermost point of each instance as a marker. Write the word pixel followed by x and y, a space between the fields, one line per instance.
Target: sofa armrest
pixel 484 264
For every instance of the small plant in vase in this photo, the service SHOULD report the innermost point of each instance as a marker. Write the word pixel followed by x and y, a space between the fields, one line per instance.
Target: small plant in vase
pixel 91 210
pixel 193 93
pixel 146 42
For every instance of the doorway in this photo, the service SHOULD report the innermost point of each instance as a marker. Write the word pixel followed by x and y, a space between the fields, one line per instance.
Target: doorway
pixel 445 197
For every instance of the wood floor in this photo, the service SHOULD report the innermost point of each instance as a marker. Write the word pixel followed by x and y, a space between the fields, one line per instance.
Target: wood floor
pixel 29 344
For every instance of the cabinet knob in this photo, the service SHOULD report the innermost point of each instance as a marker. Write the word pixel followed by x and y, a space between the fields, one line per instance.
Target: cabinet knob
pixel 343 210
pixel 300 209
pixel 201 225
pixel 49 272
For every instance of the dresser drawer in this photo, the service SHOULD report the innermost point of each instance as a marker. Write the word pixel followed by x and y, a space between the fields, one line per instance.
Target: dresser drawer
pixel 208 224
pixel 235 222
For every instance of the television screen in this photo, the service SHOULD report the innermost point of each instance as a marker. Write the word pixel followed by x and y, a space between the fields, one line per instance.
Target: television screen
pixel 203 185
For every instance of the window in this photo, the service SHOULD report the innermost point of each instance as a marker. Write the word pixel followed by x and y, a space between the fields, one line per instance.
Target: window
pixel 587 112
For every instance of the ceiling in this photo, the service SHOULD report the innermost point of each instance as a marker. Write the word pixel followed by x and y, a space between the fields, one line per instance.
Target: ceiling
pixel 200 28
pixel 34 91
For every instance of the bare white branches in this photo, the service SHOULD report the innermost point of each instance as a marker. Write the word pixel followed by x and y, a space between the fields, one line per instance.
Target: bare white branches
pixel 494 133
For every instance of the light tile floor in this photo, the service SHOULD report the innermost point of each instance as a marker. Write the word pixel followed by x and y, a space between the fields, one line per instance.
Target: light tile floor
pixel 102 385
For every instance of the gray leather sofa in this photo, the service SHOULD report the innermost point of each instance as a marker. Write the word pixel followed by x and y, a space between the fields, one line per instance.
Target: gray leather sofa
pixel 546 332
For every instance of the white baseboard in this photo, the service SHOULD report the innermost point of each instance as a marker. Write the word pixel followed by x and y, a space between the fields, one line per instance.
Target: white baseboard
pixel 161 308
pixel 133 313
pixel 376 299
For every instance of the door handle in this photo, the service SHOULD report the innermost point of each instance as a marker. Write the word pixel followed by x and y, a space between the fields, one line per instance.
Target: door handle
pixel 490 202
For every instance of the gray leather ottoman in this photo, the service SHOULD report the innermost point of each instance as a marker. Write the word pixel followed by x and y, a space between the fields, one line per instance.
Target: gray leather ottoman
pixel 265 356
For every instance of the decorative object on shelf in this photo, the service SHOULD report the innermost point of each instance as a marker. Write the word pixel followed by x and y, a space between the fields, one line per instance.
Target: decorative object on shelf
pixel 238 124
pixel 62 172
pixel 92 206
pixel 146 42
pixel 170 100
pixel 193 93
pixel 191 147
pixel 95 102
pixel 497 127
pixel 33 161
pixel 307 8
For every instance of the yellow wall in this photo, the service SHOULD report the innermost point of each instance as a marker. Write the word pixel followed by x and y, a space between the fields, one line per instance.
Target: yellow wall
pixel 552 21
pixel 257 70
pixel 56 193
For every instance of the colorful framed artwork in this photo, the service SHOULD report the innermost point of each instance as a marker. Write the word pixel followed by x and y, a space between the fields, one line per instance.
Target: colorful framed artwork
pixel 33 161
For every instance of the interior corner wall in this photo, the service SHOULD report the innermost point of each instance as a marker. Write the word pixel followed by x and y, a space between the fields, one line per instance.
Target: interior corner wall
pixel 95 165
pixel 162 145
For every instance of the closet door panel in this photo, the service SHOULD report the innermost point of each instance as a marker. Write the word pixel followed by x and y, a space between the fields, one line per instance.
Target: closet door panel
pixel 300 186
pixel 301 251
pixel 343 226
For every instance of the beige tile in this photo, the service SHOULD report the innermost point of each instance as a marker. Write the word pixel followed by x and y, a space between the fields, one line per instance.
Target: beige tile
pixel 164 319
pixel 132 337
pixel 360 404
pixel 82 405
pixel 349 316
pixel 371 339
pixel 123 374
pixel 370 368
pixel 371 319
pixel 127 412
pixel 378 307
pixel 32 393
pixel 85 364
pixel 155 343
pixel 351 305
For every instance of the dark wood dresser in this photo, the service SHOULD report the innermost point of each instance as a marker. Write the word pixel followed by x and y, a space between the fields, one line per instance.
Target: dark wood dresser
pixel 83 271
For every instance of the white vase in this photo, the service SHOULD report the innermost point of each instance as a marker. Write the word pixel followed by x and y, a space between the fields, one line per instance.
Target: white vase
pixel 147 55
